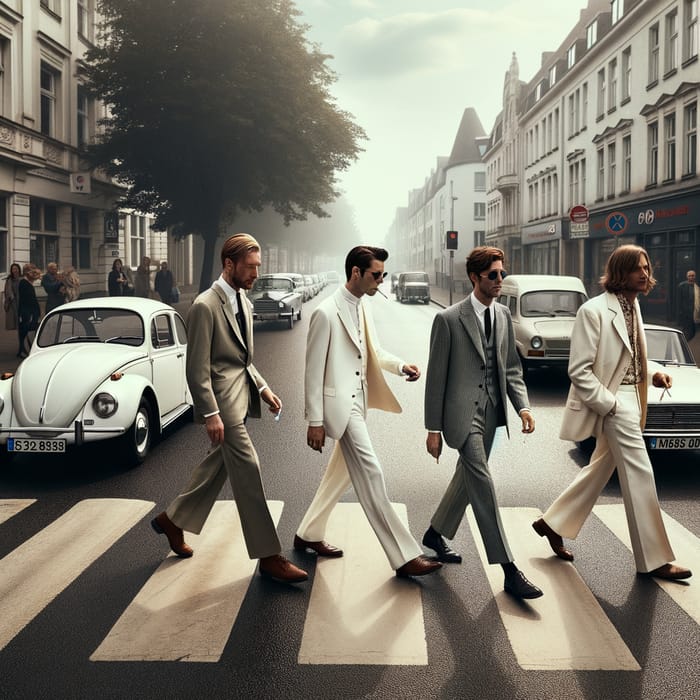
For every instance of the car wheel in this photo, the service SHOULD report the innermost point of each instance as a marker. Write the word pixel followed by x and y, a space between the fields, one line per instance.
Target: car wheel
pixel 136 442
pixel 290 322
pixel 299 314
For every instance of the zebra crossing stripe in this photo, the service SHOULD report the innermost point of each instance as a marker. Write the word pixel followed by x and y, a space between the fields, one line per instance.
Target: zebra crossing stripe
pixel 11 507
pixel 32 575
pixel 359 612
pixel 187 608
pixel 686 547
pixel 566 629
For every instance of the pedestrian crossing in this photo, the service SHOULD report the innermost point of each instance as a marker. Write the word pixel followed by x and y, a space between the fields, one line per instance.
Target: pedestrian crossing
pixel 358 612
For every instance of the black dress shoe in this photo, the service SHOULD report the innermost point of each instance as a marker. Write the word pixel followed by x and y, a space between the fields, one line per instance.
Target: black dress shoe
pixel 434 540
pixel 519 587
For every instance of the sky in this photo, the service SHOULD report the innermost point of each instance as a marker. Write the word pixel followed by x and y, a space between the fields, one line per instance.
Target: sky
pixel 408 69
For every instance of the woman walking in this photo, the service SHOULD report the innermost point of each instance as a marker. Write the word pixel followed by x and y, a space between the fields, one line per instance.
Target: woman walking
pixel 11 294
pixel 28 307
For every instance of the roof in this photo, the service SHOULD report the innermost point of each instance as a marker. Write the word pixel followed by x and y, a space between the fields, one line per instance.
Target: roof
pixel 465 148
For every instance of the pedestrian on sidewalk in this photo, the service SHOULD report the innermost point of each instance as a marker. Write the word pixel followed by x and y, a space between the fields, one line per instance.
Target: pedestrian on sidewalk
pixel 71 284
pixel 52 282
pixel 142 283
pixel 164 283
pixel 11 297
pixel 28 311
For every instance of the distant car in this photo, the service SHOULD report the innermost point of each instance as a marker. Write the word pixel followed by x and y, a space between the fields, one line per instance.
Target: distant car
pixel 413 286
pixel 299 283
pixel 276 297
pixel 310 290
pixel 394 281
pixel 98 369
pixel 543 309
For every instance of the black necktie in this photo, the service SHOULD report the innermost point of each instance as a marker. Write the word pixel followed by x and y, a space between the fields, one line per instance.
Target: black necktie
pixel 241 318
pixel 487 323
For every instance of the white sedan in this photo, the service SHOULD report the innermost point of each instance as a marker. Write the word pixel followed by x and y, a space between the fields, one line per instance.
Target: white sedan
pixel 98 369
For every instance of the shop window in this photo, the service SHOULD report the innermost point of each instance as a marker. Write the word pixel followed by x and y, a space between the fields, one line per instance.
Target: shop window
pixel 81 241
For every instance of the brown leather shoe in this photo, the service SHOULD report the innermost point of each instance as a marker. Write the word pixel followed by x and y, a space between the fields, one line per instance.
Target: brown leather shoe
pixel 555 541
pixel 163 525
pixel 282 570
pixel 322 548
pixel 671 572
pixel 420 566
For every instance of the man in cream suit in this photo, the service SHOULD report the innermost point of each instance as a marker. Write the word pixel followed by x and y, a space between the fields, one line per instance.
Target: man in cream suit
pixel 473 370
pixel 226 389
pixel 344 364
pixel 608 399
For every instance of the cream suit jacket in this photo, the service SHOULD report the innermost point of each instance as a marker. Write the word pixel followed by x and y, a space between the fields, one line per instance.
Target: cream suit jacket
pixel 334 363
pixel 220 371
pixel 600 354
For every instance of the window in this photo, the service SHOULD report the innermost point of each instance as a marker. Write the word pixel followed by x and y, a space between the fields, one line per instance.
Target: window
pixel 555 134
pixel 572 115
pixel 84 19
pixel 479 210
pixel 591 34
pixel 4 262
pixel 83 117
pixel 670 147
pixel 611 170
pixel 52 6
pixel 584 105
pixel 600 185
pixel 80 241
pixel 137 240
pixel 582 198
pixel 653 54
pixel 626 163
pixel 653 153
pixel 626 75
pixel 671 55
pixel 480 182
pixel 43 221
pixel 573 184
pixel 479 237
pixel 552 75
pixel 601 93
pixel 571 56
pixel 690 145
pixel 615 11
pixel 49 96
pixel 5 77
pixel 612 84
pixel 690 29
pixel 539 90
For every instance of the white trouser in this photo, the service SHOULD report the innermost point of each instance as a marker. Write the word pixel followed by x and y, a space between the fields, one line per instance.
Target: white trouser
pixel 353 460
pixel 621 444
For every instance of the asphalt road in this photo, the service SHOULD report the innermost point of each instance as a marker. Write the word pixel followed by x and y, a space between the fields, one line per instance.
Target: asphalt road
pixel 470 651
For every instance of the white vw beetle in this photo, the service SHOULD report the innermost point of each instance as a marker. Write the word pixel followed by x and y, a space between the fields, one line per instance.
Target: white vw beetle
pixel 112 367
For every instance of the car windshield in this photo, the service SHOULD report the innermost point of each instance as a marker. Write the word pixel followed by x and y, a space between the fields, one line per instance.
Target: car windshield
pixel 416 277
pixel 267 283
pixel 551 303
pixel 88 325
pixel 668 347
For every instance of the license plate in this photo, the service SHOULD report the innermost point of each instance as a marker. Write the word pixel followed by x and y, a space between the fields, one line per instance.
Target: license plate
pixel 33 445
pixel 674 443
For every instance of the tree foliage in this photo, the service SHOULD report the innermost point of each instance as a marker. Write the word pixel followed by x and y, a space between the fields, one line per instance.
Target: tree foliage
pixel 217 107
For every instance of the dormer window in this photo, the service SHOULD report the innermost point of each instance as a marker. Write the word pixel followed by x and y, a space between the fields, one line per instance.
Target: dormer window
pixel 591 34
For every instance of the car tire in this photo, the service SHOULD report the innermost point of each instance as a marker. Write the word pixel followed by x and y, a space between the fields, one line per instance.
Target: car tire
pixel 136 442
pixel 299 314
pixel 290 322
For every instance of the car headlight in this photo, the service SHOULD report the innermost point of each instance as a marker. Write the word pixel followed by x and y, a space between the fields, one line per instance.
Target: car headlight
pixel 104 405
pixel 281 304
pixel 536 342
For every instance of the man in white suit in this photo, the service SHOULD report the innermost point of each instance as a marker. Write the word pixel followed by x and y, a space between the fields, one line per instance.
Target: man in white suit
pixel 473 370
pixel 608 399
pixel 344 364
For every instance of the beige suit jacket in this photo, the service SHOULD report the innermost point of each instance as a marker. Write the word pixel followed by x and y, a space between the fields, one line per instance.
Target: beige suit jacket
pixel 600 354
pixel 334 363
pixel 220 371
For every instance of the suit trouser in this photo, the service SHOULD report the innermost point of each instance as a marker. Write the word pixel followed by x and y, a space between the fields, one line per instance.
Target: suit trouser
pixel 354 460
pixel 472 483
pixel 236 459
pixel 621 444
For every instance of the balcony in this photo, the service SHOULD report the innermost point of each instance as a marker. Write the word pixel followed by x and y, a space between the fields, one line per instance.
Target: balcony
pixel 508 183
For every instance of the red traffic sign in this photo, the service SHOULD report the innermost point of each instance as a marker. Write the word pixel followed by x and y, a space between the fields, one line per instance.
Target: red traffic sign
pixel 578 214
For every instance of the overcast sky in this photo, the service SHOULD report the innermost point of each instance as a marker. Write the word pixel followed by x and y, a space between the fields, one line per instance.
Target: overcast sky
pixel 408 69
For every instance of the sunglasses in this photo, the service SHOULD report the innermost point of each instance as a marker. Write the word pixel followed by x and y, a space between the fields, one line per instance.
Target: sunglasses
pixel 379 275
pixel 493 275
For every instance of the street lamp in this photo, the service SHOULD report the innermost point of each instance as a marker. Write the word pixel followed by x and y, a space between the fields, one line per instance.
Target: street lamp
pixel 452 227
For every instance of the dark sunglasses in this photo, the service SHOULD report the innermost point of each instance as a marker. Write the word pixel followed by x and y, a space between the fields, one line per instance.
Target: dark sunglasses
pixel 379 275
pixel 493 275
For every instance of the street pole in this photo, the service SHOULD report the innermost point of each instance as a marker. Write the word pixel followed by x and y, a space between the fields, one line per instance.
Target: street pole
pixel 452 269
pixel 452 226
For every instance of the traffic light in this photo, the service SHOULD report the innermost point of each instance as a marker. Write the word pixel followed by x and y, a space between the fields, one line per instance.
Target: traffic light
pixel 451 242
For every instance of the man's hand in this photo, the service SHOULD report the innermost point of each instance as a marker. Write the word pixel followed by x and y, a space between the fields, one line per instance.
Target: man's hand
pixel 412 372
pixel 433 443
pixel 316 437
pixel 528 422
pixel 272 400
pixel 215 429
pixel 662 380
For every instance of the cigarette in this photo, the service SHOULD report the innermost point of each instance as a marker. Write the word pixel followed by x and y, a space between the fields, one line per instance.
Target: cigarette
pixel 382 293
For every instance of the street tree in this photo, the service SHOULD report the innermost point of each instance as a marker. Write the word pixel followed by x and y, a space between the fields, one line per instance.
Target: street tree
pixel 217 107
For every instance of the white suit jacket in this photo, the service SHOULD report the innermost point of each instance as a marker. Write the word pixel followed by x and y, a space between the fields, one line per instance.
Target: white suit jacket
pixel 334 363
pixel 600 354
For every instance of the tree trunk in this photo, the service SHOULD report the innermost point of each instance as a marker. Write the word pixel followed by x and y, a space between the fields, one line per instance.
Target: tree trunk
pixel 210 236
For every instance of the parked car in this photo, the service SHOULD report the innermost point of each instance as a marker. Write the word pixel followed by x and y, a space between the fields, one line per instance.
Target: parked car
pixel 413 286
pixel 299 283
pixel 276 297
pixel 98 369
pixel 543 309
pixel 673 417
pixel 310 290
pixel 394 281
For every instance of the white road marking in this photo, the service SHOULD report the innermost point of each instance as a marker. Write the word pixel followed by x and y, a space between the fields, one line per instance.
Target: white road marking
pixel 186 610
pixel 566 629
pixel 32 575
pixel 359 612
pixel 10 507
pixel 685 546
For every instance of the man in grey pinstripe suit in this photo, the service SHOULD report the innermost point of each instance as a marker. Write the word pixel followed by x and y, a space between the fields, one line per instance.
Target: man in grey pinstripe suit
pixel 473 369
